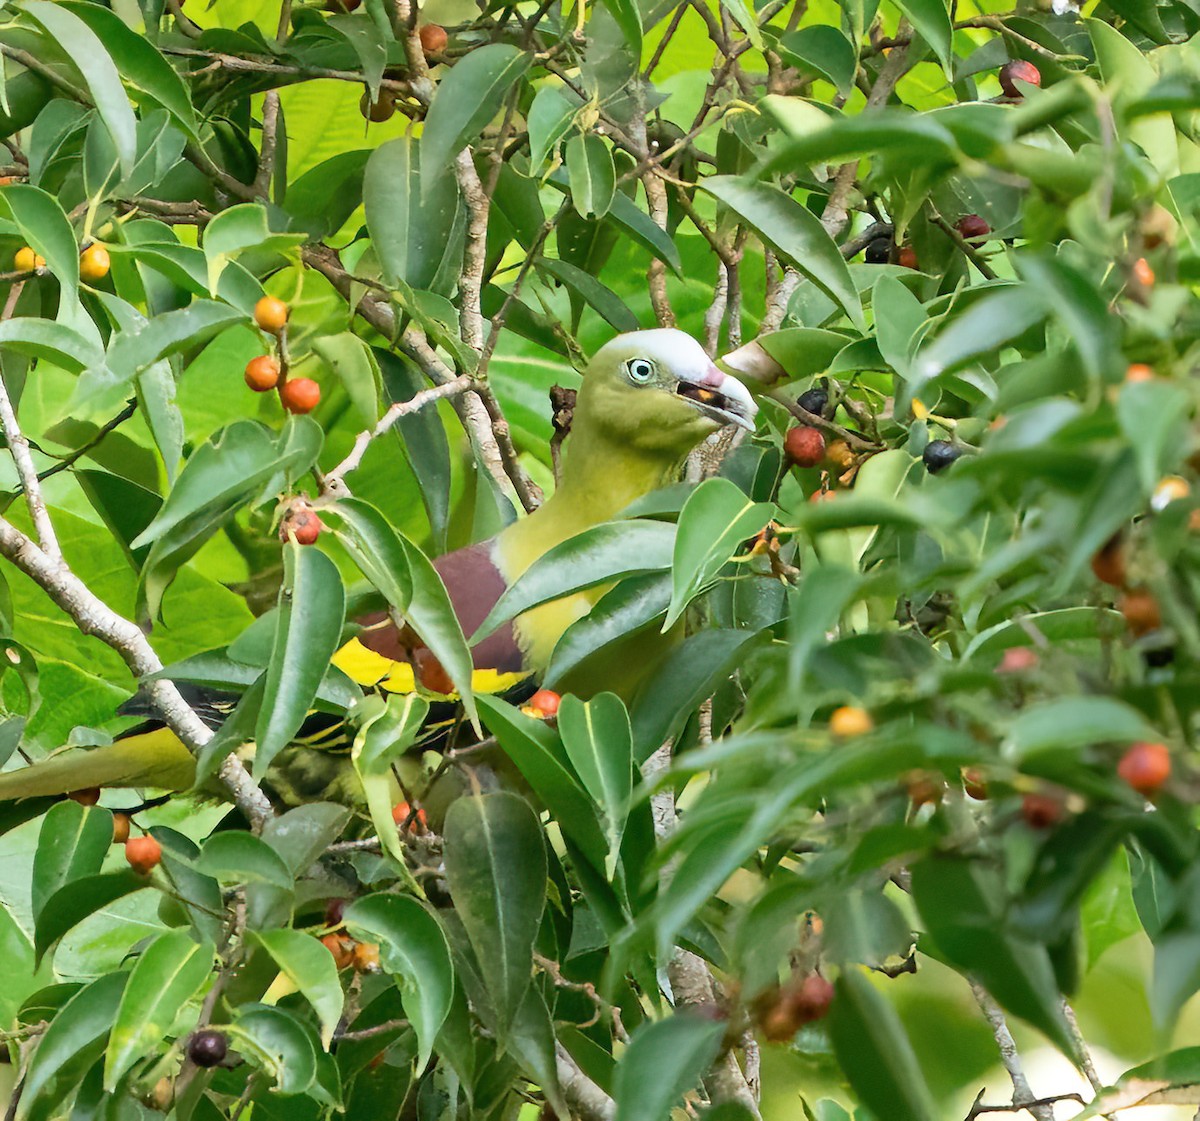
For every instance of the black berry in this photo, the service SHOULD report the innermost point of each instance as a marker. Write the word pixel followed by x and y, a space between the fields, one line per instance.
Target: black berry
pixel 879 251
pixel 814 401
pixel 938 455
pixel 207 1048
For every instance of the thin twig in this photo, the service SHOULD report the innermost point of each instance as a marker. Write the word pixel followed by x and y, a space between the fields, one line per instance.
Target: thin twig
pixel 1022 1094
pixel 110 426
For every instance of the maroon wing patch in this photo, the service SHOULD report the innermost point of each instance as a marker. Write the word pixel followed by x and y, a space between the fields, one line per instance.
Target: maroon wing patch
pixel 475 584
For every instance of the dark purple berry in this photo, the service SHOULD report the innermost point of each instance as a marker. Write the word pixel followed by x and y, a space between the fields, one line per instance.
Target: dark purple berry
pixel 814 401
pixel 879 251
pixel 938 455
pixel 207 1048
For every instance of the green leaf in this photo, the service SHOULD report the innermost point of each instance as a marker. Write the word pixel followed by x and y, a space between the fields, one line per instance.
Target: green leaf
pixel 592 175
pixel 414 230
pixel 795 232
pixel 873 1050
pixel 433 618
pixel 599 554
pixel 353 363
pixel 496 869
pixel 744 14
pixel 131 351
pixel 1070 723
pixel 311 968
pixel 802 351
pixel 169 972
pixel 599 743
pixel 79 899
pixel 41 338
pixel 376 549
pixel 821 51
pixel 662 1062
pixel 598 296
pixel 139 63
pixel 988 324
pixel 241 227
pixel 413 946
pixel 931 18
pixel 312 608
pixel 550 116
pixel 379 743
pixel 87 51
pixel 534 748
pixel 714 521
pixel 467 97
pixel 962 903
pixel 45 227
pixel 72 1043
pixel 234 857
pixel 279 1043
pixel 73 842
pixel 1153 417
pixel 634 603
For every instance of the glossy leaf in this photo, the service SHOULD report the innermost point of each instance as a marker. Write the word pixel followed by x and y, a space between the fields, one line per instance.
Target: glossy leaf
pixel 412 946
pixel 663 1061
pixel 592 174
pixel 470 94
pixel 73 842
pixel 308 630
pixel 74 1040
pixel 239 858
pixel 377 551
pixel 169 972
pixel 794 232
pixel 311 968
pixel 597 555
pixel 714 521
pixel 79 899
pixel 873 1049
pixel 496 869
pixel 550 117
pixel 279 1043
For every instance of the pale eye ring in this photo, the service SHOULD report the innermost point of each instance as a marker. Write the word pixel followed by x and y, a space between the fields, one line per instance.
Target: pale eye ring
pixel 639 369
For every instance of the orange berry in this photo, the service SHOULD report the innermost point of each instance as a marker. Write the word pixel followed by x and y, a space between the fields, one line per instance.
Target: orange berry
pixel 417 822
pixel 271 314
pixel 300 395
pixel 924 789
pixel 1145 767
pixel 94 262
pixel 433 38
pixel 1016 70
pixel 839 453
pixel 850 721
pixel 26 260
pixel 1141 611
pixel 143 854
pixel 1143 273
pixel 1139 371
pixel 907 257
pixel 822 496
pixel 88 797
pixel 120 828
pixel 262 373
pixel 545 702
pixel 342 947
pixel 804 446
pixel 366 958
pixel 381 109
pixel 1109 563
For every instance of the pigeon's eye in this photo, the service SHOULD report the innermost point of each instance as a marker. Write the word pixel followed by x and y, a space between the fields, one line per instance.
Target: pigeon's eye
pixel 639 370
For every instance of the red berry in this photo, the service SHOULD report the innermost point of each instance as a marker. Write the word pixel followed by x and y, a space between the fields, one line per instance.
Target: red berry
pixel 1040 811
pixel 907 257
pixel 975 783
pixel 143 854
pixel 803 446
pixel 302 523
pixel 334 910
pixel 972 226
pixel 417 822
pixel 262 373
pixel 1018 659
pixel 1145 767
pixel 300 395
pixel 1018 70
pixel 1143 273
pixel 1141 611
pixel 545 701
pixel 431 673
pixel 88 797
pixel 433 38
pixel 1109 563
